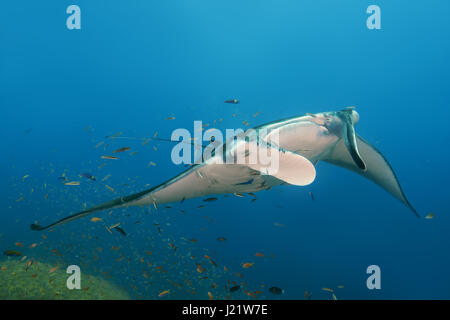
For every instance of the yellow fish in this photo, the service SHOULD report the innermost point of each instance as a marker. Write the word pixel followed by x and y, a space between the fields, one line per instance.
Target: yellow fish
pixel 429 216
pixel 72 183
pixel 163 293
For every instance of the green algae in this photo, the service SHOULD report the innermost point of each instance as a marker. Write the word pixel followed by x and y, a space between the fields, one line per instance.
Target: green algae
pixel 43 281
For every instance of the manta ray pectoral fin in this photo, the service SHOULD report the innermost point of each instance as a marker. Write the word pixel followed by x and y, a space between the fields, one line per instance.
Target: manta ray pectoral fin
pixel 378 168
pixel 290 167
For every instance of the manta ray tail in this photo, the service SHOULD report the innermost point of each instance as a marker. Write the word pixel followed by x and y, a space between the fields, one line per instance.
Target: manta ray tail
pixel 116 203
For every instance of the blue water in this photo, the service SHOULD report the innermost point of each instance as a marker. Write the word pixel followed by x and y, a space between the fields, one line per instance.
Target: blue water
pixel 133 64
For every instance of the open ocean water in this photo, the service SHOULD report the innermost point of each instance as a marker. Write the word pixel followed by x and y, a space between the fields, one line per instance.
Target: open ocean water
pixel 144 67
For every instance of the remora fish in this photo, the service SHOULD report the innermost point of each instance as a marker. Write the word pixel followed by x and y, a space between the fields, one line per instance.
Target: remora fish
pixel 304 140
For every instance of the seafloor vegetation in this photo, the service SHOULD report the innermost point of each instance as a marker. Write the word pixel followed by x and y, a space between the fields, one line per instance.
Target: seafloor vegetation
pixel 39 280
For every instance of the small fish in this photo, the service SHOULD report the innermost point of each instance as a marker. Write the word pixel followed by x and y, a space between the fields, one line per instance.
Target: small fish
pixel 18 244
pixel 211 260
pixel 12 253
pixel 121 149
pixel 276 224
pixel 429 216
pixel 211 297
pixel 98 144
pixel 237 194
pixel 72 183
pixel 244 183
pixel 109 188
pixel 235 288
pixel 170 118
pixel 33 245
pixel 210 199
pixel 52 269
pixel 28 264
pixel 221 239
pixel 109 157
pixel 328 290
pixel 163 293
pixel 95 219
pixel 259 255
pixel 247 265
pixel 232 101
pixel 200 269
pixel 340 287
pixel 87 176
pixel 106 177
pixel 147 140
pixel 114 225
pixel 311 196
pixel 334 296
pixel 114 135
pixel 276 290
pixel 119 229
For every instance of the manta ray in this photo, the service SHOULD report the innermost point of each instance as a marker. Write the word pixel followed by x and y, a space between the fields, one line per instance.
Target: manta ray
pixel 301 142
